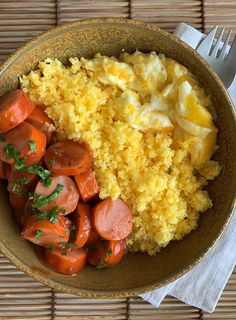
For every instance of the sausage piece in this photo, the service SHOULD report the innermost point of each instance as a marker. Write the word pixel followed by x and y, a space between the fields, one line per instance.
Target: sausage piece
pixel 93 237
pixel 4 170
pixel 87 185
pixel 25 139
pixel 39 119
pixel 114 251
pixel 66 198
pixel 18 204
pixel 112 220
pixel 82 221
pixel 106 254
pixel 65 261
pixel 15 107
pixel 19 182
pixel 96 253
pixel 44 232
pixel 67 158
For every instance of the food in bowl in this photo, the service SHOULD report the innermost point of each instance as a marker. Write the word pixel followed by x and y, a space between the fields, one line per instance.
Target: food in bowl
pixel 148 125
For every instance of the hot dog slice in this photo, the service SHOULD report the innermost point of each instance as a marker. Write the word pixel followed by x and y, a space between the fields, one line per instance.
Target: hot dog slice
pixel 65 261
pixel 45 232
pixel 106 254
pixel 15 107
pixel 114 251
pixel 19 182
pixel 87 185
pixel 67 158
pixel 39 119
pixel 25 141
pixel 112 220
pixel 82 221
pixel 4 170
pixel 61 193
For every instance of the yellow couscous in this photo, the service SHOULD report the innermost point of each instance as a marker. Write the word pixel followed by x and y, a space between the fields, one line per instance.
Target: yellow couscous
pixel 147 123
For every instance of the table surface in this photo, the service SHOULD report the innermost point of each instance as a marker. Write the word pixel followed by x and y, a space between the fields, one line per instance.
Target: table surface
pixel 20 296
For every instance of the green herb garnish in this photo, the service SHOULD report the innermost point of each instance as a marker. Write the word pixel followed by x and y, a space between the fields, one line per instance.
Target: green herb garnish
pixel 50 215
pixel 52 162
pixel 64 253
pixel 55 151
pixel 66 244
pixel 32 146
pixel 14 154
pixel 2 138
pixel 44 200
pixel 109 252
pixel 38 234
pixel 68 231
pixel 51 247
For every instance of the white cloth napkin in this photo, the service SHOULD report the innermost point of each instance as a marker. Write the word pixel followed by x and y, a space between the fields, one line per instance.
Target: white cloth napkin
pixel 203 285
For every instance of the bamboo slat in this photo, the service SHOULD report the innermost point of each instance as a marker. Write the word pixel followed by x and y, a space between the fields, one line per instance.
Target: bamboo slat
pixel 168 13
pixel 22 298
pixel 21 20
pixel 222 13
pixel 72 10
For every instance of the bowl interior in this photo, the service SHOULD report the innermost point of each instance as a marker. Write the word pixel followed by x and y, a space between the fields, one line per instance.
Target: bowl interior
pixel 137 272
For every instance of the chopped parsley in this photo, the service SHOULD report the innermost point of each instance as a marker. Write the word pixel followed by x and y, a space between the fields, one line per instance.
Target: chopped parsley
pixel 72 228
pixel 18 186
pixel 38 234
pixel 51 247
pixel 100 264
pixel 68 231
pixel 44 174
pixel 52 162
pixel 55 151
pixel 64 253
pixel 12 153
pixel 44 200
pixel 66 244
pixel 32 146
pixel 50 215
pixel 2 138
pixel 109 252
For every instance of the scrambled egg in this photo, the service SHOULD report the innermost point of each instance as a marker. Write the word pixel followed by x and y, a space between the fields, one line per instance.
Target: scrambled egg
pixel 148 124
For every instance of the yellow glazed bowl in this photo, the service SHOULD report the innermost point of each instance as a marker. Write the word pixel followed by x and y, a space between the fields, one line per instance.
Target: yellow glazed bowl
pixel 136 273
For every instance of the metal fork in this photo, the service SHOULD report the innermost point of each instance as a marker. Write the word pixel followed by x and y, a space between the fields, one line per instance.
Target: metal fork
pixel 218 55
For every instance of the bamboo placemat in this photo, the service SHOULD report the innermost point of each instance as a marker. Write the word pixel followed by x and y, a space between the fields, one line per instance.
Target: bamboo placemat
pixel 23 298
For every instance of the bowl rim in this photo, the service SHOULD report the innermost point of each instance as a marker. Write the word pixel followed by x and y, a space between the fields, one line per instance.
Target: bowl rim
pixel 139 289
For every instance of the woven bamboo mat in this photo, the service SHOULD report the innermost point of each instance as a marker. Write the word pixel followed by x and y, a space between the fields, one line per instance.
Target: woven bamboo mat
pixel 23 298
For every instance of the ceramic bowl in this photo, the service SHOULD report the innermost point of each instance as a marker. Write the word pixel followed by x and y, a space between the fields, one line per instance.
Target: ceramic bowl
pixel 138 272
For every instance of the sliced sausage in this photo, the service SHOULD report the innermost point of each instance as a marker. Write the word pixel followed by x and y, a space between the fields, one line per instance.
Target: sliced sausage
pixel 114 251
pixel 66 198
pixel 18 204
pixel 93 237
pixel 65 261
pixel 19 182
pixel 106 254
pixel 26 140
pixel 96 253
pixel 4 170
pixel 87 185
pixel 39 119
pixel 82 221
pixel 67 158
pixel 44 232
pixel 15 107
pixel 112 220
